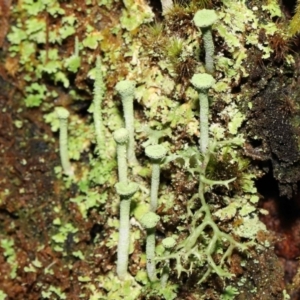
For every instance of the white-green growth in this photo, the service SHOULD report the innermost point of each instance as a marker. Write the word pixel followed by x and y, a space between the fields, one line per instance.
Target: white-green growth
pixel 126 90
pixel 73 62
pixel 63 115
pixel 125 191
pixel 204 19
pixel 156 153
pixel 149 222
pixel 190 251
pixel 121 138
pixel 99 90
pixel 168 244
pixel 202 82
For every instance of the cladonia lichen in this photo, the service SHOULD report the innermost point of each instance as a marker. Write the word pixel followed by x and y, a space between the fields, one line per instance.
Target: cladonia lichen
pixel 202 194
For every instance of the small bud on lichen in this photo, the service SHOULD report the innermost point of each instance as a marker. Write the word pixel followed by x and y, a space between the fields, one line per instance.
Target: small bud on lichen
pixel 121 136
pixel 169 242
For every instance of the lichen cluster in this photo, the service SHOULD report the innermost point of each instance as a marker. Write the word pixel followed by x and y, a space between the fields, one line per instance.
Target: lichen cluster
pixel 206 197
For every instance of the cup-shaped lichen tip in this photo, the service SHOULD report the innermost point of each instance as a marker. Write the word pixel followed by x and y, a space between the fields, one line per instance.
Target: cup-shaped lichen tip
pixel 61 112
pixel 202 81
pixel 169 242
pixel 156 152
pixel 125 88
pixel 121 136
pixel 149 220
pixel 126 190
pixel 205 18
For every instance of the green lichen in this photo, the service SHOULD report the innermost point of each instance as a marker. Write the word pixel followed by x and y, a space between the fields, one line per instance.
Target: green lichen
pixel 89 199
pixel 135 14
pixel 53 291
pixel 99 93
pixel 3 296
pixel 204 19
pixel 166 110
pixel 64 231
pixel 10 255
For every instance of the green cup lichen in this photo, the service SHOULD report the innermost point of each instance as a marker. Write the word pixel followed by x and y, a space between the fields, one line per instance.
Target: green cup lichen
pixel 201 247
pixel 156 153
pixel 202 82
pixel 204 19
pixel 168 244
pixel 149 222
pixel 126 90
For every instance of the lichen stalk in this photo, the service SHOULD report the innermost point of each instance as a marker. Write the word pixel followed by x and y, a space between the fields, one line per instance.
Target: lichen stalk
pixel 204 19
pixel 121 138
pixel 202 82
pixel 126 191
pixel 99 90
pixel 165 274
pixel 124 239
pixel 168 244
pixel 149 222
pixel 63 148
pixel 63 116
pixel 126 90
pixel 154 186
pixel 150 253
pixel 122 163
pixel 209 50
pixel 156 153
pixel 129 124
pixel 204 112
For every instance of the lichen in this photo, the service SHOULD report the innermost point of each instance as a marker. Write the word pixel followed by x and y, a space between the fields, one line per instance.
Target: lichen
pixel 207 200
